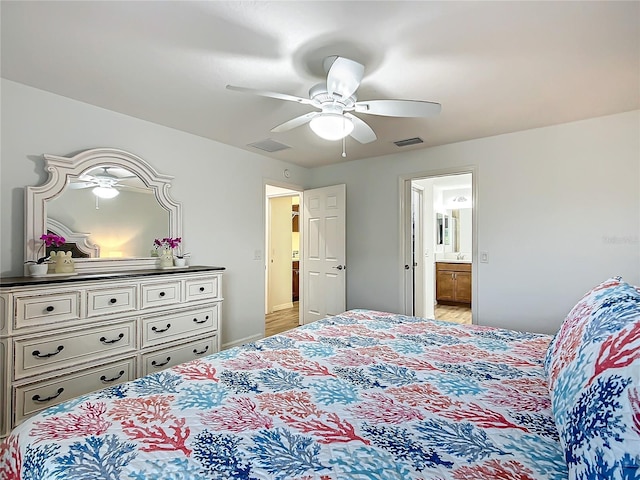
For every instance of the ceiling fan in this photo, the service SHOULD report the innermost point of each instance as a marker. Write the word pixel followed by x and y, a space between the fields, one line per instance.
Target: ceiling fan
pixel 103 183
pixel 336 99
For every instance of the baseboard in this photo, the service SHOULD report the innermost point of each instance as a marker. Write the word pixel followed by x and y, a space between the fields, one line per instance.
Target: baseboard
pixel 283 306
pixel 242 341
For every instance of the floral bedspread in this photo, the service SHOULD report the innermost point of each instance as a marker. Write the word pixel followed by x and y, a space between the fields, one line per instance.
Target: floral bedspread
pixel 362 395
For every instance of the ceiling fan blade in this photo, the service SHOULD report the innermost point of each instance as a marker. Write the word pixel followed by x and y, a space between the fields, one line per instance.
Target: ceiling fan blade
pixel 295 122
pixel 265 93
pixel 399 108
pixel 344 76
pixel 361 131
pixel 79 185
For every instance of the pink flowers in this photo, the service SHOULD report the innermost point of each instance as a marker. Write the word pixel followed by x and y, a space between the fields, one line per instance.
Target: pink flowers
pixel 51 239
pixel 167 243
pixel 48 240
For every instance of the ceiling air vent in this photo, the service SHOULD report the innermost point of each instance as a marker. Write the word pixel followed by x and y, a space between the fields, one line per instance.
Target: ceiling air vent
pixel 408 141
pixel 269 145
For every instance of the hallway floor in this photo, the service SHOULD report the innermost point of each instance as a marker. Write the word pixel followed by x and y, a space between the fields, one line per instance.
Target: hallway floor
pixel 283 320
pixel 453 313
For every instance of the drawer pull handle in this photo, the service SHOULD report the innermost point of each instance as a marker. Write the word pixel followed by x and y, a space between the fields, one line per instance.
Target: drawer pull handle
pixel 36 353
pixel 201 352
pixel 162 294
pixel 50 308
pixel 105 341
pixel 202 289
pixel 163 330
pixel 113 300
pixel 161 364
pixel 201 321
pixel 36 398
pixel 109 380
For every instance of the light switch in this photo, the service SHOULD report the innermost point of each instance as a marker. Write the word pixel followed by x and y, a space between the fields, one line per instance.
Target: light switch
pixel 484 257
pixel 257 255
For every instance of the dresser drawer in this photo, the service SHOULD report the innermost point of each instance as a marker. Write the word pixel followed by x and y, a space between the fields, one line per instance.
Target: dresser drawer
pixel 169 357
pixel 159 294
pixel 43 309
pixel 43 354
pixel 4 314
pixel 115 300
pixel 4 371
pixel 38 396
pixel 158 330
pixel 202 289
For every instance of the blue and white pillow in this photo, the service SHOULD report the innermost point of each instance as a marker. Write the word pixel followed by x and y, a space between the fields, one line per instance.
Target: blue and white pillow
pixel 593 367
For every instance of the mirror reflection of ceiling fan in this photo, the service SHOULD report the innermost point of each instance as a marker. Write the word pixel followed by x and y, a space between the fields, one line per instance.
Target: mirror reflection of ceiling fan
pixel 336 99
pixel 103 182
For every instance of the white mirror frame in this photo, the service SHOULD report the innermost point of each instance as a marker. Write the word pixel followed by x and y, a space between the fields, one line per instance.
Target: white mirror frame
pixel 61 170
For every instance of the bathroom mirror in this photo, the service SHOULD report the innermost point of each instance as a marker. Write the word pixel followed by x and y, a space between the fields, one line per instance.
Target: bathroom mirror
pixel 443 229
pixel 112 200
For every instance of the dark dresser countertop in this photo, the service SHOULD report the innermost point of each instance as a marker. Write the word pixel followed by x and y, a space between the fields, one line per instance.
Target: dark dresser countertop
pixel 87 277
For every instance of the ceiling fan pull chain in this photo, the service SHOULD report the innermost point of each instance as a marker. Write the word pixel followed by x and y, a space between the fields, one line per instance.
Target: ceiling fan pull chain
pixel 344 139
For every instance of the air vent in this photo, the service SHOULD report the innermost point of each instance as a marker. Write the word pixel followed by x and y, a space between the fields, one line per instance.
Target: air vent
pixel 408 141
pixel 269 145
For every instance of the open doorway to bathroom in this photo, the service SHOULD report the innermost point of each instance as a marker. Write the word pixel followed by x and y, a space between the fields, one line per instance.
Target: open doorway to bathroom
pixel 282 256
pixel 439 246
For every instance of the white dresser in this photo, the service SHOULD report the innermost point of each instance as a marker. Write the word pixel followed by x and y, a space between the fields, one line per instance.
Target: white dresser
pixel 63 336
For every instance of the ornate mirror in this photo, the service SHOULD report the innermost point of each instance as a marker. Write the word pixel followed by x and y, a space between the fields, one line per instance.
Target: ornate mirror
pixel 108 204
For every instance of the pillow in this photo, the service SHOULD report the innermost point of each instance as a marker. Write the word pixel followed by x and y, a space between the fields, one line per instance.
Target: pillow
pixel 593 369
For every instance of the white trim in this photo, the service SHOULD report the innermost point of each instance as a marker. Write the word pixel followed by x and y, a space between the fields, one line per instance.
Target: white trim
pixel 242 341
pixel 405 220
pixel 300 191
pixel 283 306
pixel 81 240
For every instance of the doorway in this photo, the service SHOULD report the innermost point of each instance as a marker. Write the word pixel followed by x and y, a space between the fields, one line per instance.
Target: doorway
pixel 282 259
pixel 440 245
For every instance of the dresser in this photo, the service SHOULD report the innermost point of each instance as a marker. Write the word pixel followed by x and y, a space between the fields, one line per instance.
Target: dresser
pixel 64 336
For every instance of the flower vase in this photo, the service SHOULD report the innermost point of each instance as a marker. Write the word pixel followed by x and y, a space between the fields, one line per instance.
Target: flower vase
pixel 179 262
pixel 38 269
pixel 166 258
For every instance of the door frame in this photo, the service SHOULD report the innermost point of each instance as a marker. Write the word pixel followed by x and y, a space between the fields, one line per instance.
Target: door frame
pixel 299 190
pixel 417 249
pixel 404 229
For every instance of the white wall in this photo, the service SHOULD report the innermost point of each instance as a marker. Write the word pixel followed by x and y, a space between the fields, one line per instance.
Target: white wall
pixel 465 231
pixel 220 187
pixel 558 212
pixel 428 239
pixel 280 253
pixel 558 207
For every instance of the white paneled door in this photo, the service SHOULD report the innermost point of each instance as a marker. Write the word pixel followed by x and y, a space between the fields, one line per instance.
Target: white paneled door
pixel 324 252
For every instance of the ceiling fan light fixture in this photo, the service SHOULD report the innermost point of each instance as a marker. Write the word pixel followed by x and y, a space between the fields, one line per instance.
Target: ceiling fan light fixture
pixel 105 192
pixel 331 126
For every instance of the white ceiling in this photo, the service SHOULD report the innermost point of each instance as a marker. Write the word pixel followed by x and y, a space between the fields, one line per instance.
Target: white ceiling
pixel 495 67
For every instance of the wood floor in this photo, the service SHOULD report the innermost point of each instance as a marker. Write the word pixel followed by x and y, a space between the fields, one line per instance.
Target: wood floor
pixel 455 314
pixel 283 320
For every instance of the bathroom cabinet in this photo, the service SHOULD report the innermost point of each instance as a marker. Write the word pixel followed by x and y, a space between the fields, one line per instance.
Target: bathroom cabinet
pixel 453 282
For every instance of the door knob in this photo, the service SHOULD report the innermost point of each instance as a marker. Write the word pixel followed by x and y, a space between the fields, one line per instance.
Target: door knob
pixel 407 267
pixel 339 267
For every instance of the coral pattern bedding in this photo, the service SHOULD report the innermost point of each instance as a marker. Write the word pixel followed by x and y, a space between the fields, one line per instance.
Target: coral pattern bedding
pixel 361 395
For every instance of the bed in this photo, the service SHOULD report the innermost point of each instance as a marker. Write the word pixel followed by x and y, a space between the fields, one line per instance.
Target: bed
pixel 363 394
